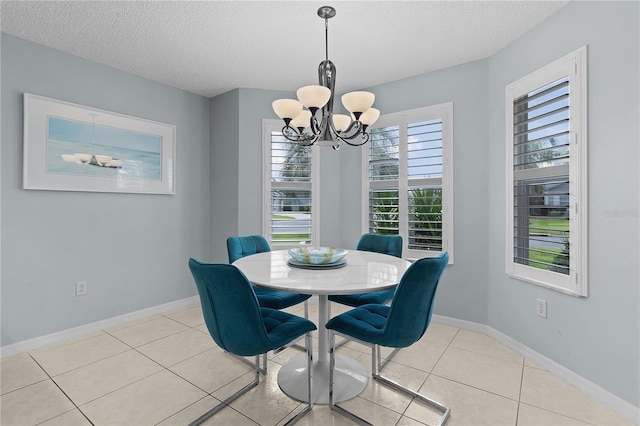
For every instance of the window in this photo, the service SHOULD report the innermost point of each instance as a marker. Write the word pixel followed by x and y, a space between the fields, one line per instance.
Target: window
pixel 289 193
pixel 409 191
pixel 546 176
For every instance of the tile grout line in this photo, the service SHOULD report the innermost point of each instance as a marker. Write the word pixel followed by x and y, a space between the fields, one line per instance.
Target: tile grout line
pixel 128 384
pixel 429 373
pixel 471 386
pixel 63 392
pixel 207 394
pixel 95 362
pixel 543 408
pixel 520 390
pixel 488 355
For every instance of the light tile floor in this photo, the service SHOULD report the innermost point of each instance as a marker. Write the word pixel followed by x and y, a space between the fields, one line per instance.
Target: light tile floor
pixel 166 370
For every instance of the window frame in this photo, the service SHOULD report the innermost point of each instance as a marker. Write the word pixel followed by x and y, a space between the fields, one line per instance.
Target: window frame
pixel 573 66
pixel 444 112
pixel 269 126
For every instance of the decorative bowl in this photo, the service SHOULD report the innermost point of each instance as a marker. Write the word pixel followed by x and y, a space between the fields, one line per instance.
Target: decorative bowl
pixel 318 255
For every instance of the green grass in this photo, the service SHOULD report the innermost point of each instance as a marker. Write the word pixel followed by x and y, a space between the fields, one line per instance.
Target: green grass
pixel 536 257
pixel 549 226
pixel 282 217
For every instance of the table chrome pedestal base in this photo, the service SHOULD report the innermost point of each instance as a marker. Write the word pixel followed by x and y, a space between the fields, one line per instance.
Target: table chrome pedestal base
pixel 350 378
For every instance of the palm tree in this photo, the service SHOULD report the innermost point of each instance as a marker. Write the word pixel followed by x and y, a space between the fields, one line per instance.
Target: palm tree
pixel 384 212
pixel 297 163
pixel 384 153
pixel 425 218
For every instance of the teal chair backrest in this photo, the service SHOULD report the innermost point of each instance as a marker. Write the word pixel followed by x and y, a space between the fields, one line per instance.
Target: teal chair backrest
pixel 230 308
pixel 386 244
pixel 412 304
pixel 238 247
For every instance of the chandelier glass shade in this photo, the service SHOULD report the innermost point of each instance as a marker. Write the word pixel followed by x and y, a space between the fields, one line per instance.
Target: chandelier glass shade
pixel 310 118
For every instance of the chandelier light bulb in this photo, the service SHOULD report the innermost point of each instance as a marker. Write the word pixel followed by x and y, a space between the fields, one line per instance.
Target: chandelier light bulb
pixel 287 108
pixel 370 116
pixel 302 120
pixel 341 122
pixel 358 102
pixel 314 96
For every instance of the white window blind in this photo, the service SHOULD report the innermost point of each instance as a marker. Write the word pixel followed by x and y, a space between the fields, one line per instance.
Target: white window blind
pixel 409 179
pixel 546 176
pixel 383 180
pixel 541 178
pixel 424 172
pixel 289 207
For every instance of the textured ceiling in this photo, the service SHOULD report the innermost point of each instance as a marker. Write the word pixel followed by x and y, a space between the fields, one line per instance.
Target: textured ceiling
pixel 211 47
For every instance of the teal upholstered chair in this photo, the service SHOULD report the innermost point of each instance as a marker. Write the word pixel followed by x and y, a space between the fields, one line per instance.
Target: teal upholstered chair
pixel 379 243
pixel 240 326
pixel 396 326
pixel 238 247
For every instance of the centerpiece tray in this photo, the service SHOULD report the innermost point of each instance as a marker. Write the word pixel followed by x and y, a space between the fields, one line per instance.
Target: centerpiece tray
pixel 317 257
pixel 296 264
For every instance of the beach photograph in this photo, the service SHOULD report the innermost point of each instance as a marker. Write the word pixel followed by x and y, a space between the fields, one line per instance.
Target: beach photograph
pixel 89 149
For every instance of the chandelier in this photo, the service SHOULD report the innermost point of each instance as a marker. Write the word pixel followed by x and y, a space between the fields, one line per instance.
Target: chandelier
pixel 318 122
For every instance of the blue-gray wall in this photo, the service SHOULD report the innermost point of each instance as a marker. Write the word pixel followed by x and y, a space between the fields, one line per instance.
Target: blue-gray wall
pixel 131 249
pixel 224 173
pixel 597 337
pixel 219 194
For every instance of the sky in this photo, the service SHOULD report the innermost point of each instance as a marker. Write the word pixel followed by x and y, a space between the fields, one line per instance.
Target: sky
pixel 77 131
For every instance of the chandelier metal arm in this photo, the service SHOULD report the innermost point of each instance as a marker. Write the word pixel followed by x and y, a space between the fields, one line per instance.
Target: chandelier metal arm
pixel 342 137
pixel 318 129
pixel 292 134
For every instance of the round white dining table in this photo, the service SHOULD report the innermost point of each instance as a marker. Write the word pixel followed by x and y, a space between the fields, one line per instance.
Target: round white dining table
pixel 363 272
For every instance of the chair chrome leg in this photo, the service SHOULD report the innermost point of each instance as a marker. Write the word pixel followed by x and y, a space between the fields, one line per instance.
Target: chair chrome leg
pixel 375 373
pixel 232 398
pixel 383 362
pixel 341 343
pixel 262 369
pixel 256 380
pixel 332 364
pixel 446 410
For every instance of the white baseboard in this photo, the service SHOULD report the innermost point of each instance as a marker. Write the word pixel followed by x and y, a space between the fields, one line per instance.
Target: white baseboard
pixel 86 329
pixel 615 403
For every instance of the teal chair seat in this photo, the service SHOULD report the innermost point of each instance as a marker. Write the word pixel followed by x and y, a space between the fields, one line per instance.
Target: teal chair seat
pixel 356 300
pixel 238 324
pixel 396 326
pixel 276 299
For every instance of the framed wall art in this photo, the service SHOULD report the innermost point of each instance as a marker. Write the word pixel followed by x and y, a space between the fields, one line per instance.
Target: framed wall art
pixel 70 147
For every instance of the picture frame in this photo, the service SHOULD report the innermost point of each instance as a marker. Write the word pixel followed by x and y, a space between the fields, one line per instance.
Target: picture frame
pixel 71 147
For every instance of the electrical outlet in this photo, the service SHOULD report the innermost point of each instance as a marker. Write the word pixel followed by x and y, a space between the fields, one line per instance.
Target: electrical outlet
pixel 81 288
pixel 541 308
